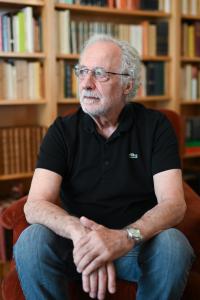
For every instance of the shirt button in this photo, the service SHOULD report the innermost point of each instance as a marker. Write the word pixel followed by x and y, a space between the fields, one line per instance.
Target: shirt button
pixel 106 162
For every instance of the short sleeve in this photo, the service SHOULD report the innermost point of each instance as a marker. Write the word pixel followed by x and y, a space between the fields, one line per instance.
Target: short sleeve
pixel 165 147
pixel 53 154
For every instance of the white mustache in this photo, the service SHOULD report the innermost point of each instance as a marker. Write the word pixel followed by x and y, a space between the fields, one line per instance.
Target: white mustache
pixel 89 94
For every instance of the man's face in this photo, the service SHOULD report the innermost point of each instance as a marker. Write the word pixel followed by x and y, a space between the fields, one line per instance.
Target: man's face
pixel 101 98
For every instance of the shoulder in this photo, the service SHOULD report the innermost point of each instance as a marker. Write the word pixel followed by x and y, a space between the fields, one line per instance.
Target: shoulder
pixel 66 124
pixel 67 120
pixel 148 117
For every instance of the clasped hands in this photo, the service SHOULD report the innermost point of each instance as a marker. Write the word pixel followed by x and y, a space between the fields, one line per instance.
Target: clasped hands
pixel 94 253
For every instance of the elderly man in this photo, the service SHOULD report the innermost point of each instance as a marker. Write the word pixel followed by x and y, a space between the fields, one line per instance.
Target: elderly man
pixel 116 168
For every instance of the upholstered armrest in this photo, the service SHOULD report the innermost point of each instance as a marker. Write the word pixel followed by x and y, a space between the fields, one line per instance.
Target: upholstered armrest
pixel 13 218
pixel 190 225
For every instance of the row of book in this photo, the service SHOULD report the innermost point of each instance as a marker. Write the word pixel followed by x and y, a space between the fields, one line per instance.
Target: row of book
pixel 191 7
pixel 190 82
pixel 67 81
pixel 191 39
pixel 153 79
pixel 193 129
pixel 19 148
pixel 21 79
pixel 20 31
pixel 148 38
pixel 192 142
pixel 161 5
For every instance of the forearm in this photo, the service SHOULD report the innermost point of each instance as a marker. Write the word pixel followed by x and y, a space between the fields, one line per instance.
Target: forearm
pixel 159 218
pixel 51 216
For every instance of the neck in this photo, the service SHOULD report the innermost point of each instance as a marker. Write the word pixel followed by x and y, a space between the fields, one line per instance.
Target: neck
pixel 106 125
pixel 106 128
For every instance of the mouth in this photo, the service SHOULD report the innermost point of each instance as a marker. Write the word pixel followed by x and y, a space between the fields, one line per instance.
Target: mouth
pixel 91 99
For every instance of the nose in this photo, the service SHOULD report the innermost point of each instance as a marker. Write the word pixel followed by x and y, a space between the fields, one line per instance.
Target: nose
pixel 88 81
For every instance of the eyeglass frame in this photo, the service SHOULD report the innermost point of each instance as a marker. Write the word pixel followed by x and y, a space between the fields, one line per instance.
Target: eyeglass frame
pixel 77 66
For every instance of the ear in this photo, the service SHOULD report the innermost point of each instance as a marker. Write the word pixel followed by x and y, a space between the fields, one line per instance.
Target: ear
pixel 128 87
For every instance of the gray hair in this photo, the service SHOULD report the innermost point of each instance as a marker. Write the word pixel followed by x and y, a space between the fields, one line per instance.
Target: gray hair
pixel 130 62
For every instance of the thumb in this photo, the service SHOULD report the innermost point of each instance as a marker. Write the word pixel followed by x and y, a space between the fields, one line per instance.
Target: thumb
pixel 89 223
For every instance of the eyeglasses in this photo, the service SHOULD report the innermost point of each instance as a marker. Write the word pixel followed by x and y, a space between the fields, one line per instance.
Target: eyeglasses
pixel 98 73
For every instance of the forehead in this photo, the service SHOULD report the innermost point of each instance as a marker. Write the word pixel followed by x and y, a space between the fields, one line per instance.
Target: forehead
pixel 102 54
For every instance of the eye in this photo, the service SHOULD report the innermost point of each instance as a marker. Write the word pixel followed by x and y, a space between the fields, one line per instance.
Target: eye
pixel 99 72
pixel 83 71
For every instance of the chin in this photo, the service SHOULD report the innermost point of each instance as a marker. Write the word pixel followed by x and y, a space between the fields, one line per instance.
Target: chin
pixel 92 111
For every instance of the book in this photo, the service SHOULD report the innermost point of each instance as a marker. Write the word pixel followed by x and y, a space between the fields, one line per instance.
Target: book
pixel 19 147
pixel 162 38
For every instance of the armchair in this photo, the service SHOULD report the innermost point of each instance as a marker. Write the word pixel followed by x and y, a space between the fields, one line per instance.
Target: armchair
pixel 13 218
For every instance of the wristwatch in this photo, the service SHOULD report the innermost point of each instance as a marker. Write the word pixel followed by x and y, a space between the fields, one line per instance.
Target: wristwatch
pixel 134 234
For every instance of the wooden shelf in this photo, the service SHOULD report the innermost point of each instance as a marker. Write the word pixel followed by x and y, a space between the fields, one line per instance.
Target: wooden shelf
pixel 22 55
pixel 24 2
pixel 16 176
pixel 156 58
pixel 152 98
pixel 191 155
pixel 22 102
pixel 190 102
pixel 68 56
pixel 143 58
pixel 190 17
pixel 190 59
pixel 85 9
pixel 69 101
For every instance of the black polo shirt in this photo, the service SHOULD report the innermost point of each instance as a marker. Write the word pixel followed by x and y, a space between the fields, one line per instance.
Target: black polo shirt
pixel 110 180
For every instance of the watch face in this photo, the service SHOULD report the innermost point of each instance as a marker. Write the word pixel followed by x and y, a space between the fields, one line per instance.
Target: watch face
pixel 134 233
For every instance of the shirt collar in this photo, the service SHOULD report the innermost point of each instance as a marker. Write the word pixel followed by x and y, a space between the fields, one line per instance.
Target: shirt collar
pixel 125 120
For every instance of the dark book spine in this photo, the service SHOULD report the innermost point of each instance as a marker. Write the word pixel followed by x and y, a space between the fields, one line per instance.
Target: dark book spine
pixel 149 4
pixel 150 78
pixel 197 38
pixel 159 78
pixel 67 80
pixel 162 38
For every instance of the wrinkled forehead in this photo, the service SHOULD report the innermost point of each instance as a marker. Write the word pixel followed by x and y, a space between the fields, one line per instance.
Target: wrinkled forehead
pixel 102 54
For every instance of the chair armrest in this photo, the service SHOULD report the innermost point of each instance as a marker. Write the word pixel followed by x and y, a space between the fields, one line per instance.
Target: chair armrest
pixel 190 225
pixel 13 218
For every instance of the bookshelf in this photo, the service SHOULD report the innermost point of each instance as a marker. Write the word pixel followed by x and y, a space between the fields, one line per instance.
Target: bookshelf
pixel 28 109
pixel 52 101
pixel 189 95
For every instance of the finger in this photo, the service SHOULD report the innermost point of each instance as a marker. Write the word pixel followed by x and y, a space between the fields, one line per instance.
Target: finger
pixel 111 278
pixel 82 242
pixel 86 283
pixel 85 261
pixel 93 284
pixel 102 282
pixel 80 253
pixel 89 223
pixel 94 264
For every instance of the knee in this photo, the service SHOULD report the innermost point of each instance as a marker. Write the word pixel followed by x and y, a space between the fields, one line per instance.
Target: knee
pixel 175 242
pixel 30 242
pixel 173 246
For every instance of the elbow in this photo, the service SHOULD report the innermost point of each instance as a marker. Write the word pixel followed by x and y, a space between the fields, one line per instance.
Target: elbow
pixel 181 212
pixel 27 213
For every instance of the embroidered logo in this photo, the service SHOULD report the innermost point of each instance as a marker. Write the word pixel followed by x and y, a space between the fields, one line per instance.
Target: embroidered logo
pixel 133 155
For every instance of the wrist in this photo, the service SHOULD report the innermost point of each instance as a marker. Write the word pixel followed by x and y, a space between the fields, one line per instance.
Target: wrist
pixel 134 234
pixel 72 227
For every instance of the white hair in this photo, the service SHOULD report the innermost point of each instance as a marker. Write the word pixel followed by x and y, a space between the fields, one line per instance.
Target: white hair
pixel 130 61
